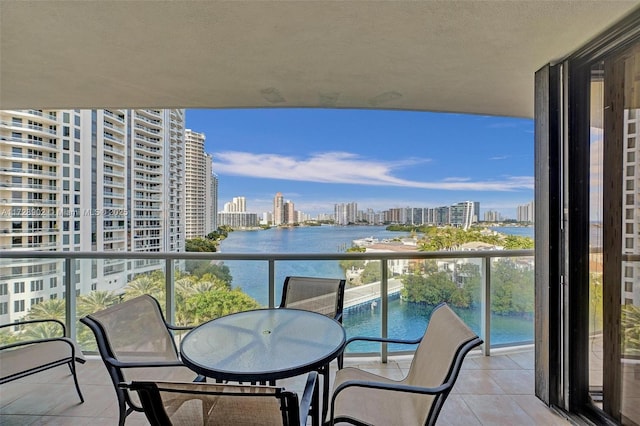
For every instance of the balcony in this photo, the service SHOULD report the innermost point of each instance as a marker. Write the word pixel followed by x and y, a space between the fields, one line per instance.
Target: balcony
pixel 41 143
pixel 490 390
pixel 485 266
pixel 496 384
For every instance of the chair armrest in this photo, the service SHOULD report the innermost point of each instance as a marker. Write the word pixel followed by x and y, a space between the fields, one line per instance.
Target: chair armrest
pixel 383 386
pixel 31 342
pixel 150 364
pixel 307 397
pixel 391 387
pixel 178 327
pixel 20 359
pixel 36 321
pixel 74 355
pixel 383 340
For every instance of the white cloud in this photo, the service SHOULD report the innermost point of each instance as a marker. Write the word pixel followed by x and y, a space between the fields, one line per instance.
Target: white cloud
pixel 456 179
pixel 349 168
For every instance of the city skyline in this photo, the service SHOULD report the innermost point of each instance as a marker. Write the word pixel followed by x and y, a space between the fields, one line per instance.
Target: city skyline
pixel 524 212
pixel 381 159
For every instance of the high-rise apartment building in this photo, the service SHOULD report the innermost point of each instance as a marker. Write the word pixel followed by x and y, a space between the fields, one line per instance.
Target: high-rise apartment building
pixel 464 214
pixel 214 202
pixel 492 216
pixel 345 213
pixel 631 206
pixel 237 205
pixel 198 186
pixel 240 204
pixel 236 216
pixel 86 180
pixel 278 209
pixel 526 213
pixel 289 213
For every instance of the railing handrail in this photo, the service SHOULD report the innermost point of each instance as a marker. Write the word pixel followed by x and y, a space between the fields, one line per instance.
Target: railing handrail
pixel 480 254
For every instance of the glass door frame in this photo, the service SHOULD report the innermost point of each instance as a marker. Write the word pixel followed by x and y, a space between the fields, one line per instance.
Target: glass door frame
pixel 562 203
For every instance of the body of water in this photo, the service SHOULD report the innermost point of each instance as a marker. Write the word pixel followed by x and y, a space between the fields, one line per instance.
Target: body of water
pixel 406 320
pixel 520 231
pixel 252 276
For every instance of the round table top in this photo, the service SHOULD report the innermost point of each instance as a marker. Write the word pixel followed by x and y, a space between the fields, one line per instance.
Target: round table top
pixel 262 345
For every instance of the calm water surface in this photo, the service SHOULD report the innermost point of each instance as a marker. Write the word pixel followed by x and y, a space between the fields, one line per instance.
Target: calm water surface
pixel 406 320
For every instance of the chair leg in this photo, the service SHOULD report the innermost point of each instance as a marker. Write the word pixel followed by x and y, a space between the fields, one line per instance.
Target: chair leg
pixel 324 371
pixel 72 367
pixel 122 408
pixel 315 410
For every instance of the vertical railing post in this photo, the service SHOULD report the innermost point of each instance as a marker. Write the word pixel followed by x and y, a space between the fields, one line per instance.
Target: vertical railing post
pixel 272 283
pixel 169 291
pixel 70 305
pixel 486 307
pixel 384 301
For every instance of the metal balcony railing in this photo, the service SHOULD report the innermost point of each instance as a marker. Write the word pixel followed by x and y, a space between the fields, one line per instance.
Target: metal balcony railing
pixel 168 262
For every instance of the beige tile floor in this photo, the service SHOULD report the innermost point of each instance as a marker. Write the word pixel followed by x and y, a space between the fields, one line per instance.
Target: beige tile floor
pixel 496 390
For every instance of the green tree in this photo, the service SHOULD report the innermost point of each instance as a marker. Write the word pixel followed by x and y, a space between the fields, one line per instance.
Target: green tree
pixel 514 242
pixel 7 336
pixel 431 289
pixel 469 283
pixel 48 309
pixel 151 284
pixel 201 245
pixel 595 302
pixel 630 323
pixel 96 301
pixel 202 307
pixel 41 331
pixel 371 272
pixel 512 288
pixel 202 267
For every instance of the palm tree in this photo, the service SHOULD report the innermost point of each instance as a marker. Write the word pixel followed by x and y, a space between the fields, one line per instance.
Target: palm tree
pixel 41 330
pixel 48 309
pixel 185 286
pixel 96 301
pixel 145 284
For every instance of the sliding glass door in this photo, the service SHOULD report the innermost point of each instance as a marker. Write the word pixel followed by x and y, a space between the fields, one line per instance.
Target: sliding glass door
pixel 612 334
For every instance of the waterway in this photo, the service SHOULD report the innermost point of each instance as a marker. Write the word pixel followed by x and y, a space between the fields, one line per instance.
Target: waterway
pixel 406 320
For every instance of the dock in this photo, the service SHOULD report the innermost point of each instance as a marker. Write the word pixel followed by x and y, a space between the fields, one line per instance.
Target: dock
pixel 369 292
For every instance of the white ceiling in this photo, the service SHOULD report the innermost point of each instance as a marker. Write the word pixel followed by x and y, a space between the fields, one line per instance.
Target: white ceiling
pixel 457 56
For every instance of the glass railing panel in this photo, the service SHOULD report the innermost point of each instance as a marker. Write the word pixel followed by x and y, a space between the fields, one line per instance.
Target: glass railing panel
pixel 206 289
pixel 103 282
pixel 31 289
pixel 250 277
pixel 427 283
pixel 305 268
pixel 414 288
pixel 363 302
pixel 512 301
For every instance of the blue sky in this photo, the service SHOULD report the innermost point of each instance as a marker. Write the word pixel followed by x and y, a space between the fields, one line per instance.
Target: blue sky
pixel 379 159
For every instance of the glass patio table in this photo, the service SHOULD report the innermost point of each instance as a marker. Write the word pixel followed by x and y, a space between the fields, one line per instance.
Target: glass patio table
pixel 264 345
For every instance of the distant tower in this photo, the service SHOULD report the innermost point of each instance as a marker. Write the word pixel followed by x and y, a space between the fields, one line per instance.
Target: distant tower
pixel 289 213
pixel 464 214
pixel 214 201
pixel 196 186
pixel 241 204
pixel 278 209
pixel 525 213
